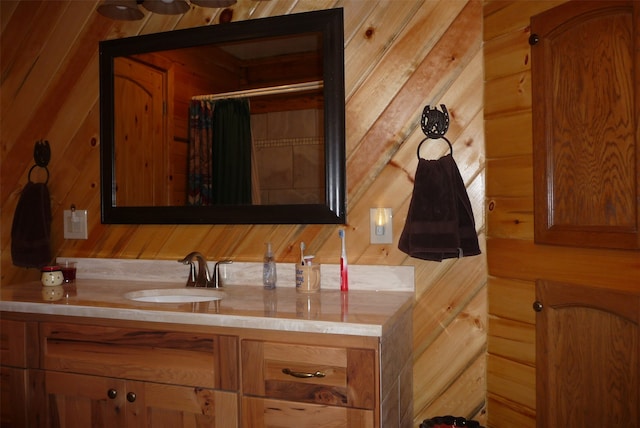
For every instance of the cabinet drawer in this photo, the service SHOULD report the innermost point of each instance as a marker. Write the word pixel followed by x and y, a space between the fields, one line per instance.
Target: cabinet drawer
pixel 313 374
pixel 264 412
pixel 163 356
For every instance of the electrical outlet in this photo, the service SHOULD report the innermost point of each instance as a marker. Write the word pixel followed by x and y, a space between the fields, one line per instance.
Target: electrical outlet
pixel 381 220
pixel 75 224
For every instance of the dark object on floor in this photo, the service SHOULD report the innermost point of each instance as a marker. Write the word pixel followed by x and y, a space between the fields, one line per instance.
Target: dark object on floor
pixel 449 422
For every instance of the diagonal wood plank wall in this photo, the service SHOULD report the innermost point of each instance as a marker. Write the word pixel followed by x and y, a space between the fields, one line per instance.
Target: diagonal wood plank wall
pixel 399 57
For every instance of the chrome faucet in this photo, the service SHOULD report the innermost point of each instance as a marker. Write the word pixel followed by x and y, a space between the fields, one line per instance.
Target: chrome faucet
pixel 202 278
pixel 216 272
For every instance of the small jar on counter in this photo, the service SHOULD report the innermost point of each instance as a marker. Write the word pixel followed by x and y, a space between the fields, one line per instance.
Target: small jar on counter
pixel 51 275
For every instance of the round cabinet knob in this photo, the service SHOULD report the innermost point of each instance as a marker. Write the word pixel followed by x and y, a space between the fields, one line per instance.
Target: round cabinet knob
pixel 534 39
pixel 131 397
pixel 537 306
pixel 112 393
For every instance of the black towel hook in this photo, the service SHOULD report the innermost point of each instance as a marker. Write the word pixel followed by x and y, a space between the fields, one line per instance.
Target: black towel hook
pixel 435 124
pixel 41 156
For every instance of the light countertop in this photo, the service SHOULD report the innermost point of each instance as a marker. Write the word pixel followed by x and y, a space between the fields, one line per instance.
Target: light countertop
pixel 357 312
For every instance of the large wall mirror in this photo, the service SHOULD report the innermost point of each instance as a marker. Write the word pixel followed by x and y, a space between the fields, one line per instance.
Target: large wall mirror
pixel 234 123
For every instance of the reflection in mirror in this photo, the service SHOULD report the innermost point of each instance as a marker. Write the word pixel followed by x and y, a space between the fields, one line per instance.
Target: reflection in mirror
pixel 230 123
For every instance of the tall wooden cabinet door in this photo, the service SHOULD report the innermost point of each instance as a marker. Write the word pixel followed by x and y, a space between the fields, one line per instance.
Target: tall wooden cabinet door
pixel 587 356
pixel 76 400
pixel 585 71
pixel 140 134
pixel 160 405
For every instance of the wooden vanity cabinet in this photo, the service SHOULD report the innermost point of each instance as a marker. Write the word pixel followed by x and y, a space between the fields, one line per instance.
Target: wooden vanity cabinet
pixel 90 372
pixel 108 376
pixel 288 385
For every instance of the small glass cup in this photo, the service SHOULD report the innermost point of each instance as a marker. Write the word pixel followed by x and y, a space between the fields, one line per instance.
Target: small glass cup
pixel 68 270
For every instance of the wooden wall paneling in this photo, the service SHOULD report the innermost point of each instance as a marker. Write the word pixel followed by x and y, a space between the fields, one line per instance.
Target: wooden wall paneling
pixel 448 358
pixel 455 399
pixel 509 94
pixel 510 176
pixel 31 99
pixel 155 23
pixel 360 98
pixel 510 217
pixel 512 16
pixel 446 299
pixel 511 379
pixel 149 242
pixel 415 53
pixel 7 10
pixel 356 14
pixel 512 339
pixel 519 259
pixel 509 54
pixel 448 57
pixel 512 299
pixel 505 413
pixel 374 36
pixel 500 138
pixel 509 193
pixel 20 51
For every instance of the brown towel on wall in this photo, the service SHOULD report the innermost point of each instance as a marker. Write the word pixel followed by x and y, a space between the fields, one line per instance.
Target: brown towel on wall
pixel 31 229
pixel 440 221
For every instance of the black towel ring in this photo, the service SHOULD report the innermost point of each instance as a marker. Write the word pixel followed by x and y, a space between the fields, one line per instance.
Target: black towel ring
pixel 41 156
pixel 443 137
pixel 45 168
pixel 435 124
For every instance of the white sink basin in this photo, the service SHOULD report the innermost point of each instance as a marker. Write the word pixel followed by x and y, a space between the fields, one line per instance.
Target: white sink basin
pixel 175 295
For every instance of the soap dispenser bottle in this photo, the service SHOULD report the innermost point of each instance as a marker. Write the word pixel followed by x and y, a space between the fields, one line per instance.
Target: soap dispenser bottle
pixel 269 275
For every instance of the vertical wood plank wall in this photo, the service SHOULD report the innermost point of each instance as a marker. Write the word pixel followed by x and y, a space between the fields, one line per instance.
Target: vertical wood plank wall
pixel 514 262
pixel 399 57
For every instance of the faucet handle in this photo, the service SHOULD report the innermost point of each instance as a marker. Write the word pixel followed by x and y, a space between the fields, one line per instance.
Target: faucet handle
pixel 216 272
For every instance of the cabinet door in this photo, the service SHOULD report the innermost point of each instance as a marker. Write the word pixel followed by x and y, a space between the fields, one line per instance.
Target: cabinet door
pixel 587 357
pixel 13 400
pixel 84 401
pixel 586 124
pixel 77 400
pixel 158 406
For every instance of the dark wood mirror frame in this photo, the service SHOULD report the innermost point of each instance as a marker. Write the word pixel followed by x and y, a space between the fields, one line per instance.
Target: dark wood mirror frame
pixel 327 22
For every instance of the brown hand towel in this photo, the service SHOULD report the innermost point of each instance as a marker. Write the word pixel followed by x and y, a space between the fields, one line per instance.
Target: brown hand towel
pixel 440 221
pixel 31 229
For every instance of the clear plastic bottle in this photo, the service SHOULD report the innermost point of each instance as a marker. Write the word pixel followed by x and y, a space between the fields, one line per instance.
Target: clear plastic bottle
pixel 269 275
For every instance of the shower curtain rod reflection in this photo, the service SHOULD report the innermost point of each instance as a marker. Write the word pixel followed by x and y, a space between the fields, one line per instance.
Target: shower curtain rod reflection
pixel 274 90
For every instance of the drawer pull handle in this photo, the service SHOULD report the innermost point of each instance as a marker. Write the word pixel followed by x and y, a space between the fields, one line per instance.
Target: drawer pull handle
pixel 131 397
pixel 112 393
pixel 302 374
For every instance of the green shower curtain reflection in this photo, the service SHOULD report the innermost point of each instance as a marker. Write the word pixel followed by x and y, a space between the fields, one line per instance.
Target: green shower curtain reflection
pixel 232 152
pixel 222 174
